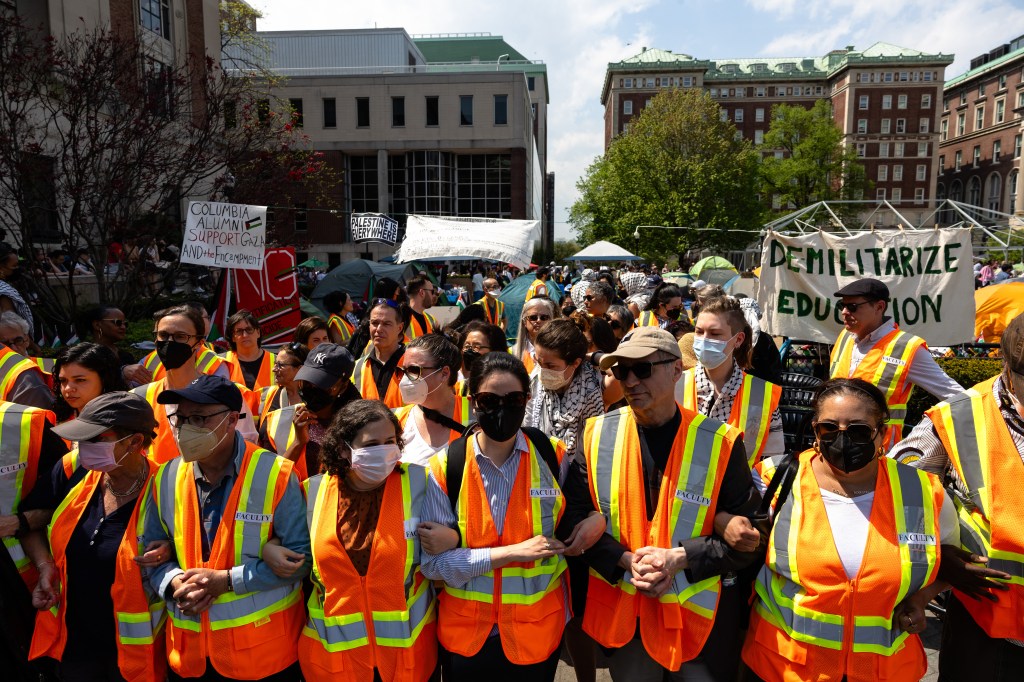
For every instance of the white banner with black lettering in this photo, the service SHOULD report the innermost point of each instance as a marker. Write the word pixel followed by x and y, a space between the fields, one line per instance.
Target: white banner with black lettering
pixel 928 272
pixel 374 227
pixel 225 235
pixel 430 237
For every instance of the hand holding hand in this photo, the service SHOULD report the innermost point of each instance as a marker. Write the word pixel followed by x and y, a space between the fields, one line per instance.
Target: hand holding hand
pixel 436 538
pixel 155 554
pixel 741 535
pixel 585 534
pixel 537 547
pixel 654 568
pixel 282 561
pixel 910 616
pixel 966 572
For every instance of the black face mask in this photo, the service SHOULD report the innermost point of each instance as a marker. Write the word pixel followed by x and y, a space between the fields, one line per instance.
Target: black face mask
pixel 673 313
pixel 847 456
pixel 315 397
pixel 173 354
pixel 501 424
pixel 469 358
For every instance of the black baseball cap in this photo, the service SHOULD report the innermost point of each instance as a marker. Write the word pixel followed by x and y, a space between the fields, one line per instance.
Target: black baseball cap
pixel 206 390
pixel 325 364
pixel 867 287
pixel 118 409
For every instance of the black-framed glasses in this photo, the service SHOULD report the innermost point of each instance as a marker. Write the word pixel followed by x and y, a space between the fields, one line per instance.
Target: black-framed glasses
pixel 196 420
pixel 116 322
pixel 415 372
pixel 179 337
pixel 477 348
pixel 641 370
pixel 538 317
pixel 490 402
pixel 851 307
pixel 244 331
pixel 826 432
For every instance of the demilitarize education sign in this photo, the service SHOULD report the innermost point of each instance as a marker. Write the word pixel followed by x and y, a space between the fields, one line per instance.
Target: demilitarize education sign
pixel 374 227
pixel 928 272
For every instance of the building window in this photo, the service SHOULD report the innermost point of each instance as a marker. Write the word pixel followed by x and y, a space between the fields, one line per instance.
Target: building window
pixel 886 126
pixel 997 148
pixel 979 118
pixel 897 194
pixel 901 126
pixel 883 173
pixel 263 110
pixel 897 173
pixel 974 192
pixel 880 194
pixel 1002 82
pixel 926 101
pixel 960 124
pixel 922 172
pixel 363 196
pixel 1000 110
pixel 883 150
pixel 758 137
pixel 963 97
pixel 922 149
pixel 362 112
pixel 759 115
pixel 923 125
pixel 688 81
pixel 862 125
pixel 433 117
pixel 738 116
pixel 981 90
pixel 156 16
pixel 723 115
pixel 466 110
pixel 944 128
pixel 429 182
pixel 901 102
pixel 1020 102
pixel 484 185
pixel 942 163
pixel 977 156
pixel 945 104
pixel 330 113
pixel 759 91
pixel 1016 146
pixel 919 195
pixel 397 112
pixel 301 217
pixel 627 83
pixel 862 102
pixel 1012 208
pixel 897 150
pixel 887 101
pixel 500 110
pixel 296 106
pixel 531 82
pixel 627 108
pixel 958 159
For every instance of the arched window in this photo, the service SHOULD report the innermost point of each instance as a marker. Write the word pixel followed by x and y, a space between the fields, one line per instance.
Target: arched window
pixel 1011 188
pixel 956 191
pixel 974 192
pixel 994 192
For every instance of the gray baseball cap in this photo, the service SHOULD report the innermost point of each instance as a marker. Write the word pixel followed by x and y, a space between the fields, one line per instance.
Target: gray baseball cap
pixel 117 409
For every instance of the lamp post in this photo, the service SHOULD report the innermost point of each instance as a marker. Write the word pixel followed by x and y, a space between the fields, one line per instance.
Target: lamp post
pixel 636 241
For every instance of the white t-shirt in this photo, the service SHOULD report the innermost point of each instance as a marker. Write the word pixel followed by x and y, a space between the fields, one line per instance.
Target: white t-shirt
pixel 478 282
pixel 417 450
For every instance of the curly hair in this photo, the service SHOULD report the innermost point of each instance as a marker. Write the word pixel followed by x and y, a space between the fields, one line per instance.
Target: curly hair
pixel 347 423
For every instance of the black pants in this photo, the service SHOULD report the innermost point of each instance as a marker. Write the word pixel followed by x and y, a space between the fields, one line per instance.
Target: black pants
pixel 86 669
pixel 967 653
pixel 290 674
pixel 491 664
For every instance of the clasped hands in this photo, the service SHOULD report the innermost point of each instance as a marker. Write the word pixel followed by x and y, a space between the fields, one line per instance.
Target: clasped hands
pixel 197 588
pixel 653 569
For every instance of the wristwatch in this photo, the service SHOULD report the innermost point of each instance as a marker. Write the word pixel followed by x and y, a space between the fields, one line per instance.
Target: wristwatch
pixel 231 585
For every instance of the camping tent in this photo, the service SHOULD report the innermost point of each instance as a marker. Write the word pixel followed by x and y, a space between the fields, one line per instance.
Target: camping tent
pixel 357 278
pixel 603 250
pixel 713 270
pixel 995 306
pixel 514 295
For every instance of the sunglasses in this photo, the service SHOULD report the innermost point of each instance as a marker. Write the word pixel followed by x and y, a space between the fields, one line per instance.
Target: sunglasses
pixel 116 323
pixel 385 301
pixel 414 372
pixel 539 317
pixel 490 402
pixel 614 324
pixel 826 432
pixel 851 307
pixel 641 370
pixel 589 298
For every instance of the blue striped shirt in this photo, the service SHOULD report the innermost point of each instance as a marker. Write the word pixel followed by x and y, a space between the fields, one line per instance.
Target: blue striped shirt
pixel 457 566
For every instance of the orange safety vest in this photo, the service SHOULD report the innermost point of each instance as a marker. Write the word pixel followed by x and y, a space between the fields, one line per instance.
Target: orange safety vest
pixel 385 620
pixel 752 409
pixel 46 367
pixel 526 600
pixel 207 362
pixel 362 377
pixel 21 438
pixel 263 379
pixel 528 362
pixel 139 613
pixel 280 432
pixel 980 447
pixel 809 621
pixel 674 627
pixel 534 286
pixel 415 330
pixel 648 319
pixel 494 310
pixel 340 328
pixel 12 366
pixel 886 366
pixel 270 400
pixel 245 636
pixel 462 413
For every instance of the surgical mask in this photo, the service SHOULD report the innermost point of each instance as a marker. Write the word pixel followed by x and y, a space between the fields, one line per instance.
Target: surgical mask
pixel 415 392
pixel 554 379
pixel 501 424
pixel 173 354
pixel 710 352
pixel 196 444
pixel 845 455
pixel 99 456
pixel 374 464
pixel 315 397
pixel 494 292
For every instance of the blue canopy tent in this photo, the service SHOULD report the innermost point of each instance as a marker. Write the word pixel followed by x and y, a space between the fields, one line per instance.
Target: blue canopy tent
pixel 514 295
pixel 603 251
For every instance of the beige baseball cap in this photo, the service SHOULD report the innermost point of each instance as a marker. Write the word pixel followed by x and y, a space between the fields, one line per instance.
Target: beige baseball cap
pixel 641 342
pixel 1012 347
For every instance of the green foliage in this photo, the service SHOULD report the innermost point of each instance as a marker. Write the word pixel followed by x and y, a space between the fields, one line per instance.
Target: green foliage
pixel 563 249
pixel 817 166
pixel 965 371
pixel 678 164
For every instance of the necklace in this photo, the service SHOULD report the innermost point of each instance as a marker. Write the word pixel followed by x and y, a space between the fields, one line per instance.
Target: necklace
pixel 135 487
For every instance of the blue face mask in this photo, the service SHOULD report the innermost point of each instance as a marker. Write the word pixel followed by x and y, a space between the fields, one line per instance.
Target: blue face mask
pixel 709 352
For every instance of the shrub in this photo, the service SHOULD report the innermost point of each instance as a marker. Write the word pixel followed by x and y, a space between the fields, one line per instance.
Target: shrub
pixel 965 371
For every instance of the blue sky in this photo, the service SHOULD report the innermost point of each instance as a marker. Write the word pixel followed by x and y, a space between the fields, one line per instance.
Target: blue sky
pixel 577 39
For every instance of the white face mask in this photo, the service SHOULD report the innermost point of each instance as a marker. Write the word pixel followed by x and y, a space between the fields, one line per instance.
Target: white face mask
pixel 710 352
pixel 196 444
pixel 494 292
pixel 374 464
pixel 555 379
pixel 415 392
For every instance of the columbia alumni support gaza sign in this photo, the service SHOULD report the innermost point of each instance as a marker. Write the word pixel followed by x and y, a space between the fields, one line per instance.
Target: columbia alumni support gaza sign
pixel 225 235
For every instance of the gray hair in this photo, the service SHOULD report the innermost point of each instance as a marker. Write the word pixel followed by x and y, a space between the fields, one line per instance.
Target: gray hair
pixel 10 318
pixel 623 313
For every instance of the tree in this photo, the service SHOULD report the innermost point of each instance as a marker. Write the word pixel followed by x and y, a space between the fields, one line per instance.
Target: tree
pixel 678 164
pixel 100 142
pixel 816 164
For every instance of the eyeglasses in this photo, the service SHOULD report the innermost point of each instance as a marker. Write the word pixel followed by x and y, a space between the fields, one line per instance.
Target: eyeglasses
pixel 589 298
pixel 115 322
pixel 641 370
pixel 614 324
pixel 851 307
pixel 539 317
pixel 414 372
pixel 826 432
pixel 490 402
pixel 196 420
pixel 244 331
pixel 278 366
pixel 16 341
pixel 476 348
pixel 179 337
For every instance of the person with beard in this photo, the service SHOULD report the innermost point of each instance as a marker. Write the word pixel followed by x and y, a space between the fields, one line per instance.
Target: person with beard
pixel 377 374
pixel 179 342
pixel 296 432
pixel 664 306
pixel 505 601
pixel 477 339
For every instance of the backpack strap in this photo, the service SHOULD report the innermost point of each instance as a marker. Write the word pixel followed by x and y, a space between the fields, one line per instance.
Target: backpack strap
pixel 782 480
pixel 544 448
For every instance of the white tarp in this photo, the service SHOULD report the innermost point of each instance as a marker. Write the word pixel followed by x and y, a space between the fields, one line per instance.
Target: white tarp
pixel 508 241
pixel 928 272
pixel 603 250
pixel 225 235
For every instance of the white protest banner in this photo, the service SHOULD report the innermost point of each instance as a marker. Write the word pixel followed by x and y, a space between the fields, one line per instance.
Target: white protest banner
pixel 225 235
pixel 928 272
pixel 508 241
pixel 374 227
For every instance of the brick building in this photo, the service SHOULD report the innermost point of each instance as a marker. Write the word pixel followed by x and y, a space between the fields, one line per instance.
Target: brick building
pixel 885 100
pixel 980 132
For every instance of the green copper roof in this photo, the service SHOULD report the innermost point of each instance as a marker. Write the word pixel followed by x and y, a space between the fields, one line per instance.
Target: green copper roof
pixel 464 49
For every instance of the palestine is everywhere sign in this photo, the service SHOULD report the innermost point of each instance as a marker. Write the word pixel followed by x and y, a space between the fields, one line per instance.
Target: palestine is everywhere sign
pixel 374 227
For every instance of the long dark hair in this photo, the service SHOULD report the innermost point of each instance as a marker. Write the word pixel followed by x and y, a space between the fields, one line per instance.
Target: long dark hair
pixel 663 293
pixel 93 357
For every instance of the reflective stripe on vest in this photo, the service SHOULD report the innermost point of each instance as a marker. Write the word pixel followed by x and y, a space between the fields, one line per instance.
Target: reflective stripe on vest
pixel 340 325
pixel 648 319
pixel 12 366
pixel 141 627
pixel 267 396
pixel 783 599
pixel 492 314
pixel 280 430
pixel 362 378
pixel 414 330
pixel 21 430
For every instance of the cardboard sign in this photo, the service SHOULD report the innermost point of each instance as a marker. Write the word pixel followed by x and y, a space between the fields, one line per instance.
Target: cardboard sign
pixel 928 272
pixel 271 294
pixel 374 227
pixel 225 235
